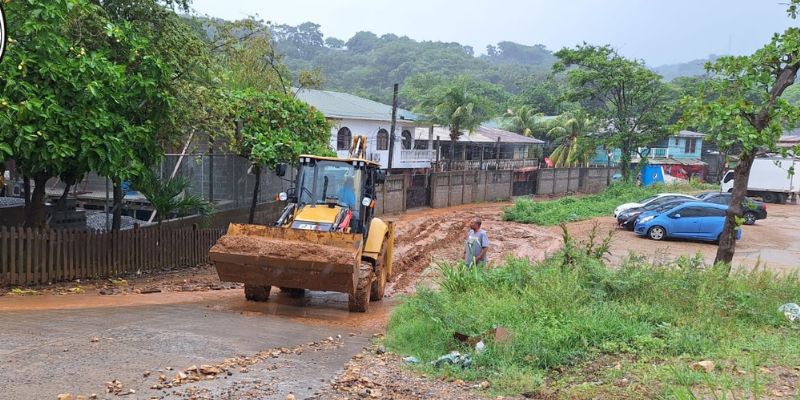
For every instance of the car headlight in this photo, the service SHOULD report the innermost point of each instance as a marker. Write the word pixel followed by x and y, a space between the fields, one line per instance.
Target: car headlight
pixel 646 219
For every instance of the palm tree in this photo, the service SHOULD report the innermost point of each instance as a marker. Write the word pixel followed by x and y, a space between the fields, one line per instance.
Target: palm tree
pixel 571 136
pixel 456 108
pixel 525 120
pixel 168 196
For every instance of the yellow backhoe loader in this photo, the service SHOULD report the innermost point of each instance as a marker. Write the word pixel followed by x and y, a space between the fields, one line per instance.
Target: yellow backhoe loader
pixel 327 237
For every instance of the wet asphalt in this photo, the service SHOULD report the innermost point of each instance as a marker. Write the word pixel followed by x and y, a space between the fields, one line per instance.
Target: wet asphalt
pixel 47 351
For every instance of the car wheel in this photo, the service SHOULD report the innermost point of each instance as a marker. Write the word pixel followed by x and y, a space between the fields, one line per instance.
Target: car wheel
pixel 749 218
pixel 769 197
pixel 657 233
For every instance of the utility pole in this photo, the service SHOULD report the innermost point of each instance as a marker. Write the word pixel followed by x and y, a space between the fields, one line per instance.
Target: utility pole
pixel 394 123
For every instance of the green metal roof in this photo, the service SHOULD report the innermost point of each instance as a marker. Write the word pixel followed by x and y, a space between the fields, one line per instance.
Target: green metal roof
pixel 344 105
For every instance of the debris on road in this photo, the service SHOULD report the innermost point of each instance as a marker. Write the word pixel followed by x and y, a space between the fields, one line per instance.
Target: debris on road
pixel 239 364
pixel 386 376
pixel 453 358
pixel 791 311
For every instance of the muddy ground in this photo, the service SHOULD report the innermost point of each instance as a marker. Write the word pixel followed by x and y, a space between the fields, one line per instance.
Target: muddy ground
pixel 134 336
pixel 108 337
pixel 772 243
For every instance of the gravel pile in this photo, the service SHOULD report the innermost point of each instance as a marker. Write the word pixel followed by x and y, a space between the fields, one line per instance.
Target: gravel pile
pixel 11 201
pixel 97 221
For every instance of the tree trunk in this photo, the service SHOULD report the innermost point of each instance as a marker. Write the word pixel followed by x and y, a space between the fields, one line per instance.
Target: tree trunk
pixel 36 216
pixel 625 163
pixel 26 193
pixel 116 218
pixel 727 240
pixel 256 187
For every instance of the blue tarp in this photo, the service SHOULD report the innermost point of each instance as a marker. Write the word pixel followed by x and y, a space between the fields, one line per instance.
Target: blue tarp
pixel 652 174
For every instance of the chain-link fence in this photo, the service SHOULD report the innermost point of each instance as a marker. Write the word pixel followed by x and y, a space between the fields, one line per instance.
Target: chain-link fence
pixel 224 179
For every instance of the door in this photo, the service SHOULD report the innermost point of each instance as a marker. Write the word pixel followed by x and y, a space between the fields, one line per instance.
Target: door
pixel 711 224
pixel 685 222
pixel 418 193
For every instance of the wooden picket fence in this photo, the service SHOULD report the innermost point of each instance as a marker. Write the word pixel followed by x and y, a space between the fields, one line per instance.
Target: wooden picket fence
pixel 32 256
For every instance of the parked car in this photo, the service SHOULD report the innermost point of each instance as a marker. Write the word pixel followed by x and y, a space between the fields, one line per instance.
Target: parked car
pixel 657 199
pixel 690 220
pixel 753 209
pixel 627 218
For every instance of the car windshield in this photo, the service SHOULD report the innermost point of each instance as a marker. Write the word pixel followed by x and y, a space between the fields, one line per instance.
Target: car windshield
pixel 330 180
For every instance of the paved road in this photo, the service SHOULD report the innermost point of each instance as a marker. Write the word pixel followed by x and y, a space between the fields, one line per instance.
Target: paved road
pixel 47 346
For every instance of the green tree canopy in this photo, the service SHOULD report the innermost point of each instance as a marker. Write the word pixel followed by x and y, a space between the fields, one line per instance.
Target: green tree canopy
pixel 629 101
pixel 63 96
pixel 268 128
pixel 572 133
pixel 743 110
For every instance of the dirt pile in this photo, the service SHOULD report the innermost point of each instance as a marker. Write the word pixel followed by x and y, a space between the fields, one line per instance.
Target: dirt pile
pixel 379 375
pixel 281 248
pixel 435 236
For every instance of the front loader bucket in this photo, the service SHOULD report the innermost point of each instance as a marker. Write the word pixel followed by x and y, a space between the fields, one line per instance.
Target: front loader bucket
pixel 261 256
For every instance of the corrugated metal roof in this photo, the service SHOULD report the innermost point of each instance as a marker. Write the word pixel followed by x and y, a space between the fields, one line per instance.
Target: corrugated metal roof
pixel 481 135
pixel 690 134
pixel 348 106
pixel 675 161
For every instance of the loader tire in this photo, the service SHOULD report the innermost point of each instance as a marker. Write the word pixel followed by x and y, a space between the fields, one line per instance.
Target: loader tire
pixel 293 292
pixel 256 293
pixel 359 302
pixel 379 284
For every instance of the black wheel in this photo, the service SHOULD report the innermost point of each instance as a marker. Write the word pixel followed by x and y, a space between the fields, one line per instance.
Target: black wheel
pixel 782 198
pixel 749 218
pixel 657 233
pixel 379 284
pixel 359 301
pixel 293 292
pixel 256 293
pixel 769 197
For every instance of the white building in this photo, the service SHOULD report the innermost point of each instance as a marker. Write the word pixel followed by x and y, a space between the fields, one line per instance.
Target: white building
pixel 351 115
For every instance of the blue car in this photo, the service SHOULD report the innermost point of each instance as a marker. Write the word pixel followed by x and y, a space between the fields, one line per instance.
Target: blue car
pixel 692 220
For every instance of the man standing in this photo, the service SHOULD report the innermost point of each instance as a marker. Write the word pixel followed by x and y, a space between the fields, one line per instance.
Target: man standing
pixel 477 244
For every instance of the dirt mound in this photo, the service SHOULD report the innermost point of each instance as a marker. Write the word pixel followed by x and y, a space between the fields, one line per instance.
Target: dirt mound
pixel 434 236
pixel 281 248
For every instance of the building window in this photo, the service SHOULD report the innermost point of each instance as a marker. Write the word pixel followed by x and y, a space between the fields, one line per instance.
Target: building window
pixel 690 146
pixel 383 140
pixel 408 140
pixel 343 139
pixel 677 141
pixel 421 145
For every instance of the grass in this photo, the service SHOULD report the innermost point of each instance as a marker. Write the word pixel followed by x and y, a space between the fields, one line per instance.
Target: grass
pixel 569 314
pixel 571 208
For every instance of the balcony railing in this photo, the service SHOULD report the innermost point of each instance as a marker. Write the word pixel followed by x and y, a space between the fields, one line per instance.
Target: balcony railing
pixel 468 165
pixel 416 155
pixel 651 152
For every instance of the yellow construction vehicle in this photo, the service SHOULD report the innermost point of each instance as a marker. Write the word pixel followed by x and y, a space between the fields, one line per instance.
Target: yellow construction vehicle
pixel 327 237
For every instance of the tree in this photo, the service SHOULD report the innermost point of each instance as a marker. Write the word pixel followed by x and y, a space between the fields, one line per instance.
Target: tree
pixel 362 42
pixel 170 196
pixel 571 134
pixel 628 100
pixel 524 120
pixel 164 93
pixel 455 107
pixel 747 113
pixel 268 128
pixel 57 101
pixel 547 95
pixel 334 43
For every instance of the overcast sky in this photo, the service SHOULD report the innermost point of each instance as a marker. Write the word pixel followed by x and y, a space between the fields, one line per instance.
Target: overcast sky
pixel 658 31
